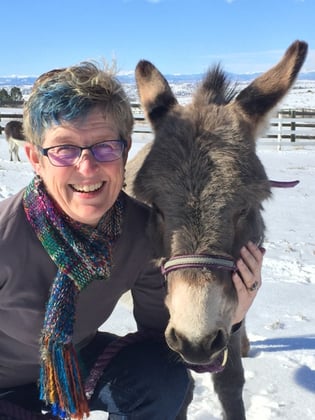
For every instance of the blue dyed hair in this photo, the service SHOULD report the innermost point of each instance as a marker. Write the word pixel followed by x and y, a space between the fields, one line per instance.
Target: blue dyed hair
pixel 66 94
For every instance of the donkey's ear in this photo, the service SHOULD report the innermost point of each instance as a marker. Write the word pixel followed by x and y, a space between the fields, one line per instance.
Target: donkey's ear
pixel 264 93
pixel 154 91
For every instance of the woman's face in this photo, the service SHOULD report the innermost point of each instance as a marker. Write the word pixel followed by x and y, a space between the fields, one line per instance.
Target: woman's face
pixel 86 190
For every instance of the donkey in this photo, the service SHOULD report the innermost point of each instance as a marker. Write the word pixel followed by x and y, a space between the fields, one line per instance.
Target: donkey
pixel 206 185
pixel 15 138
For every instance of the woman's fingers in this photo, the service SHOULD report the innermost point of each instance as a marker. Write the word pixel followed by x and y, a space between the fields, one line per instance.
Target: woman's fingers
pixel 249 266
pixel 247 280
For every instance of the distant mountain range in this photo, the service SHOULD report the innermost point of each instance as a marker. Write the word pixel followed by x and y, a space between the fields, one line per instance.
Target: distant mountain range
pixel 129 78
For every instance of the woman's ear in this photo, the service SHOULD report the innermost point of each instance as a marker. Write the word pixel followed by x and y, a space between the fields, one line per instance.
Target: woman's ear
pixel 127 149
pixel 33 156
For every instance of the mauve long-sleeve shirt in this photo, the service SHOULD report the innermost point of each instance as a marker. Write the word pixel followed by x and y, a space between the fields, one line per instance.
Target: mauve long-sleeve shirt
pixel 27 273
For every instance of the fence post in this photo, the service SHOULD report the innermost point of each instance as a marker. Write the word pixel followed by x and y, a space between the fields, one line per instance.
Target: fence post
pixel 279 129
pixel 292 115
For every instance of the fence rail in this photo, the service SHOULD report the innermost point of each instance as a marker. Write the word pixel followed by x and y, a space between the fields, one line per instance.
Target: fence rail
pixel 292 125
pixel 287 124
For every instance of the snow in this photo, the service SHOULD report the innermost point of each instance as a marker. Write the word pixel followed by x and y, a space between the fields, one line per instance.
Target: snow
pixel 280 371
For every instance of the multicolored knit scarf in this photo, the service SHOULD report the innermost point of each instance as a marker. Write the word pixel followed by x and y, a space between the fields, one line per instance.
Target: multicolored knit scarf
pixel 82 254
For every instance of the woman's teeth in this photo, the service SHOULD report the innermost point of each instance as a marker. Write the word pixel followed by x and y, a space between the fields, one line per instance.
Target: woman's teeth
pixel 87 188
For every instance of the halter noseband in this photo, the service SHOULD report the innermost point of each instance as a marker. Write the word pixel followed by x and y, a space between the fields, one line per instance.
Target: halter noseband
pixel 210 262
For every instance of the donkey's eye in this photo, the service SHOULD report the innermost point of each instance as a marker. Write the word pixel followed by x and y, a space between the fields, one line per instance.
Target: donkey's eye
pixel 158 213
pixel 156 231
pixel 241 215
pixel 243 212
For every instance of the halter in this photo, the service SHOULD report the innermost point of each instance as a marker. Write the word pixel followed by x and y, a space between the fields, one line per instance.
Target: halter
pixel 209 261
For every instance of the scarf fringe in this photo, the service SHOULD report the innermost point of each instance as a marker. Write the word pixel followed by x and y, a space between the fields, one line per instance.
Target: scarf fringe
pixel 61 385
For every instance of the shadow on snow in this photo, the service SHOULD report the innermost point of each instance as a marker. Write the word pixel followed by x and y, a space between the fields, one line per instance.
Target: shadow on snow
pixel 304 375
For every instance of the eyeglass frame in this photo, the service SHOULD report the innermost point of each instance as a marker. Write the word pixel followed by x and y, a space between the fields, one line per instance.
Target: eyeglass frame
pixel 45 150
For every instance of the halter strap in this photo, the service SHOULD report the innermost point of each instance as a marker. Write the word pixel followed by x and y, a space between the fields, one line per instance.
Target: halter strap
pixel 283 184
pixel 208 261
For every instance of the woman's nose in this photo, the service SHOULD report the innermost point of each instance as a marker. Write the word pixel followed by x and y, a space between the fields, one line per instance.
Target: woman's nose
pixel 87 160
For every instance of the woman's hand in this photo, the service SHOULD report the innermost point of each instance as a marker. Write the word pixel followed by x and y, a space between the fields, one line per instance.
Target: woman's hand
pixel 248 281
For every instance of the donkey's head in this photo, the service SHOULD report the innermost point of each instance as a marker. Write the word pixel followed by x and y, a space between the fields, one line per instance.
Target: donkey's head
pixel 206 186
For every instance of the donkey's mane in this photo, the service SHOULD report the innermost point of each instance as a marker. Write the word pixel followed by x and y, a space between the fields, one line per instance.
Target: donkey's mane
pixel 216 87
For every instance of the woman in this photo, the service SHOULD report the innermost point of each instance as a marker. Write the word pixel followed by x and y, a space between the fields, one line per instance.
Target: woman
pixel 71 243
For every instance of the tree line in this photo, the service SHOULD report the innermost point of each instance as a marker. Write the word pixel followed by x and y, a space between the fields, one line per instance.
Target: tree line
pixel 12 97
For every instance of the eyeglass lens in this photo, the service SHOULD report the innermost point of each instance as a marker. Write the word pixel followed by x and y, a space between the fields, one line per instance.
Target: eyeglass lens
pixel 68 155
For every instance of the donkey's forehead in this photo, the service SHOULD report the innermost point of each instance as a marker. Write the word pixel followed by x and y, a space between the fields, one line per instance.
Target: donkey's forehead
pixel 211 121
pixel 188 163
pixel 206 133
pixel 197 112
pixel 202 150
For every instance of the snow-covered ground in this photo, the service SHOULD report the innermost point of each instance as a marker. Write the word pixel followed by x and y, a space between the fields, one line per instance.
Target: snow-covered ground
pixel 280 372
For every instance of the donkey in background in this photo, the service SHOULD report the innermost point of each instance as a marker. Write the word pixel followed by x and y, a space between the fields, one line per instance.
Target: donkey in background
pixel 15 138
pixel 206 185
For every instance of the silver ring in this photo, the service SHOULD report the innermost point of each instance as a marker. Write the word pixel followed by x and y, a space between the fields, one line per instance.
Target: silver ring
pixel 253 287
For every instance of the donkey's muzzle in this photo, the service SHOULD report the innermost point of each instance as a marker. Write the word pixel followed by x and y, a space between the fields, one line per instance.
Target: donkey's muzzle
pixel 202 352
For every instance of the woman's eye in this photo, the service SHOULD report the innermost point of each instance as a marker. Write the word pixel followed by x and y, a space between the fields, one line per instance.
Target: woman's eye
pixel 64 149
pixel 106 148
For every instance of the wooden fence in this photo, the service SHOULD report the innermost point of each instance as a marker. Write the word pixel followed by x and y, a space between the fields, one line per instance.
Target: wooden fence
pixel 287 124
pixel 4 118
pixel 292 125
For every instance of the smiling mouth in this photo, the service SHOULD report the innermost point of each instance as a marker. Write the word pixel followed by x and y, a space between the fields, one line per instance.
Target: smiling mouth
pixel 87 188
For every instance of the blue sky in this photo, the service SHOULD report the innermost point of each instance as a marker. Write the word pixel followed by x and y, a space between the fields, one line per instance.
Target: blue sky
pixel 178 36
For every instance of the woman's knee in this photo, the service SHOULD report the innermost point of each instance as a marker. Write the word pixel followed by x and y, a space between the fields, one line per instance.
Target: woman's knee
pixel 146 380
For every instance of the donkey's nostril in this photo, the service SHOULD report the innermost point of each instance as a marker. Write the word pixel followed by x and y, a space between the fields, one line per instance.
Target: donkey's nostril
pixel 172 334
pixel 217 342
pixel 174 340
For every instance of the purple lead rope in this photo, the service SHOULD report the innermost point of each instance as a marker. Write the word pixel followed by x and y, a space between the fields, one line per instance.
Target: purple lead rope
pixel 113 348
pixel 109 353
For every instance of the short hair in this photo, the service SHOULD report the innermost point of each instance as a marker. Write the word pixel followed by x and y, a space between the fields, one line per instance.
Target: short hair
pixel 68 93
